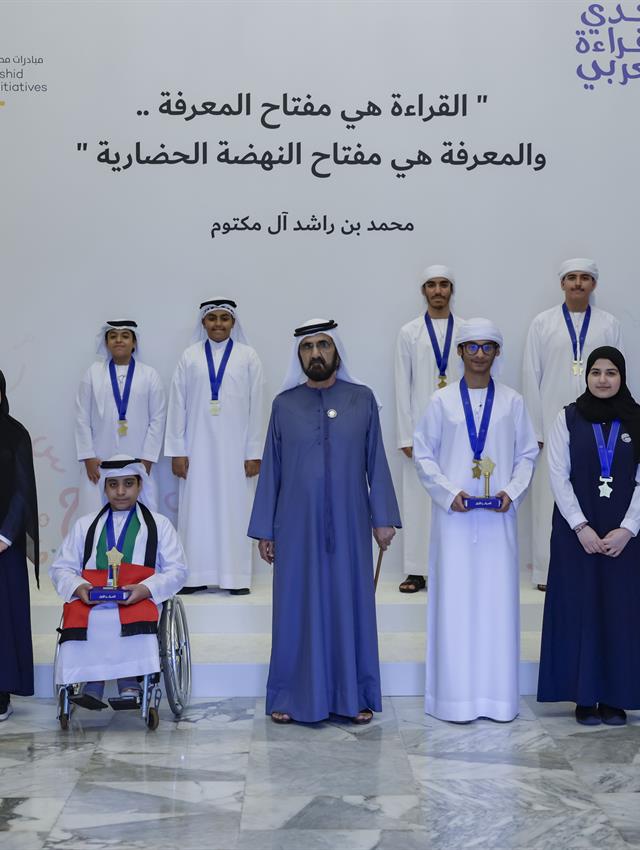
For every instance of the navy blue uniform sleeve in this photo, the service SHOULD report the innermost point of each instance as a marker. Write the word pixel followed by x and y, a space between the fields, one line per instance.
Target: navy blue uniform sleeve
pixel 266 499
pixel 382 497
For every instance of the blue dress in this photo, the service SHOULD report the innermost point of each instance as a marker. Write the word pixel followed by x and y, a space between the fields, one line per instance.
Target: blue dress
pixel 591 629
pixel 324 484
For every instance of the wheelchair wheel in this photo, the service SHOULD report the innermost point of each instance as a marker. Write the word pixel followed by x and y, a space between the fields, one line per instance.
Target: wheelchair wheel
pixel 153 719
pixel 63 716
pixel 175 654
pixel 55 684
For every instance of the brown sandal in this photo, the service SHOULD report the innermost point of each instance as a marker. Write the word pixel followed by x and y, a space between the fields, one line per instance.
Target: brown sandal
pixel 412 584
pixel 364 716
pixel 281 717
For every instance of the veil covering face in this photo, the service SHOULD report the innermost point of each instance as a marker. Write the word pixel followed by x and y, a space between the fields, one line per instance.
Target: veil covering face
pixel 18 497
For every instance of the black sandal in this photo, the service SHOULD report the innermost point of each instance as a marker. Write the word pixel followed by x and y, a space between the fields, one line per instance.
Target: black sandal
pixel 412 584
pixel 282 720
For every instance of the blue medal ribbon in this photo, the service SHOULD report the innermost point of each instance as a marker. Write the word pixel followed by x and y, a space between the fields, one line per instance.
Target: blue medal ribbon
pixel 605 453
pixel 216 379
pixel 478 438
pixel 577 345
pixel 122 401
pixel 111 536
pixel 442 357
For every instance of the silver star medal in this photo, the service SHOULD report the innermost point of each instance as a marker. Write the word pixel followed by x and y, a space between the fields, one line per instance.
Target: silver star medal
pixel 605 490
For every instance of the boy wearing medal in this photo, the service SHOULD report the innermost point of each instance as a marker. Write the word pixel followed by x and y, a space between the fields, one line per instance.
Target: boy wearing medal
pixel 423 364
pixel 214 438
pixel 109 640
pixel 558 344
pixel 474 435
pixel 120 408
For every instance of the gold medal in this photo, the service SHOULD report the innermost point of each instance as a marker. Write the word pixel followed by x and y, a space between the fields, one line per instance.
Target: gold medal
pixel 122 427
pixel 215 407
pixel 442 381
pixel 475 469
pixel 576 367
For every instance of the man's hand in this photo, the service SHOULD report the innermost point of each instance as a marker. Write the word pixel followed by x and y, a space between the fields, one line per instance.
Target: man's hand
pixel 506 502
pixel 590 541
pixel 82 592
pixel 92 465
pixel 251 467
pixel 3 546
pixel 147 465
pixel 458 503
pixel 267 549
pixel 137 594
pixel 180 466
pixel 383 536
pixel 408 450
pixel 616 540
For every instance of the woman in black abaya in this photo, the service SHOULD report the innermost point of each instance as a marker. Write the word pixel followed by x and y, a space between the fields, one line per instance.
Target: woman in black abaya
pixel 590 637
pixel 18 541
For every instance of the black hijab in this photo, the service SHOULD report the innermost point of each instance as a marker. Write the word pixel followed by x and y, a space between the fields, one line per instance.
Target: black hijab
pixel 18 499
pixel 621 406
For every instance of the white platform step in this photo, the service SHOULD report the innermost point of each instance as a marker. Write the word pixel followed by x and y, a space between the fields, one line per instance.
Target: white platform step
pixel 216 612
pixel 231 640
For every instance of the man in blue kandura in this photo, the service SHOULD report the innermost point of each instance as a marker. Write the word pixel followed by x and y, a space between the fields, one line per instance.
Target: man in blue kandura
pixel 324 486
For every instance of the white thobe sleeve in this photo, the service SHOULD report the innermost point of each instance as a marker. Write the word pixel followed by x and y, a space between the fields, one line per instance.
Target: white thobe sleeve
pixel 404 425
pixel 631 519
pixel 157 410
pixel 559 461
pixel 426 448
pixel 532 378
pixel 617 336
pixel 175 444
pixel 255 429
pixel 84 435
pixel 171 568
pixel 66 570
pixel 524 455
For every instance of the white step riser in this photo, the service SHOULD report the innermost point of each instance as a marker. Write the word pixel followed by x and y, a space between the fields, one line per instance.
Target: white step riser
pixel 400 678
pixel 256 619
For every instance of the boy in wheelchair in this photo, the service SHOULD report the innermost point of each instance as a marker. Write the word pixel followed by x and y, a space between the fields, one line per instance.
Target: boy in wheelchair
pixel 115 640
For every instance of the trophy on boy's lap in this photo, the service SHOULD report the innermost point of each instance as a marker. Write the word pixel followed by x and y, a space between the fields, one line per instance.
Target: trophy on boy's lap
pixel 110 592
pixel 484 467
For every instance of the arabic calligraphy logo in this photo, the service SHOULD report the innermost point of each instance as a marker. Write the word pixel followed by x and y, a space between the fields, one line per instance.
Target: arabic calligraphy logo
pixel 607 44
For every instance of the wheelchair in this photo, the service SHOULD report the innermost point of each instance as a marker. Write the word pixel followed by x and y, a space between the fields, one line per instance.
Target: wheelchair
pixel 175 667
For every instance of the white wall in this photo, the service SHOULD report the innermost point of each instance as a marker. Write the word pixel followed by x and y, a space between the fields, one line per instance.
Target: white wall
pixel 81 244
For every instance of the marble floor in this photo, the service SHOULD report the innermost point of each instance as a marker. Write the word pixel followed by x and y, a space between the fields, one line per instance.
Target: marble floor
pixel 227 778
